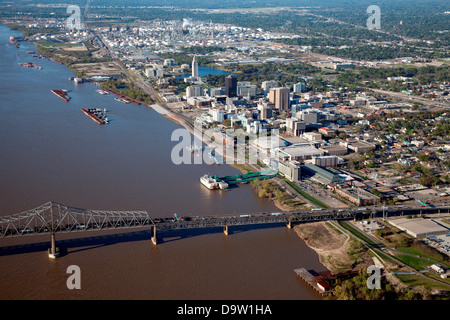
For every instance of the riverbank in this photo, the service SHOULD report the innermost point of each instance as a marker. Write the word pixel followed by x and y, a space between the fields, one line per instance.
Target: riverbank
pixel 336 251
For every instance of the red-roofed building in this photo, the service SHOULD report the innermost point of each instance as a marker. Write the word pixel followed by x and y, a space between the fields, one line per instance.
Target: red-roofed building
pixel 326 131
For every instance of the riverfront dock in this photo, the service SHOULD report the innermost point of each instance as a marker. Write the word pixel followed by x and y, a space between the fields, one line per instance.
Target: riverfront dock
pixel 247 177
pixel 315 281
pixel 216 182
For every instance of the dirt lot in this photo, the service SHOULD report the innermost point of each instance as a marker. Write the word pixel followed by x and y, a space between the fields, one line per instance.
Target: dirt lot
pixel 81 48
pixel 336 252
pixel 98 69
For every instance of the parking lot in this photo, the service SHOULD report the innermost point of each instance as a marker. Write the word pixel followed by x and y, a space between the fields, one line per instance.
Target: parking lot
pixel 440 242
pixel 320 193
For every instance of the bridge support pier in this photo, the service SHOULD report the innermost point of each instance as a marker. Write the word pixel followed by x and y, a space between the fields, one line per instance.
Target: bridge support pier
pixel 289 224
pixel 225 230
pixel 154 237
pixel 53 251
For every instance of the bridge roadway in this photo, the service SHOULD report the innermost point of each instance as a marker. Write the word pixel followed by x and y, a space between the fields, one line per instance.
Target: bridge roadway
pixel 52 217
pixel 299 217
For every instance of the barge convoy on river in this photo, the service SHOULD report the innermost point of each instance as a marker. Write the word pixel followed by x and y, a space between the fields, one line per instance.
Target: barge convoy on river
pixel 30 65
pixel 61 93
pixel 96 114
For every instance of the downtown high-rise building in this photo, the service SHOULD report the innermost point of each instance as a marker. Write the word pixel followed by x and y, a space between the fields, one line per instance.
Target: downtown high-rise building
pixel 231 86
pixel 280 97
pixel 194 67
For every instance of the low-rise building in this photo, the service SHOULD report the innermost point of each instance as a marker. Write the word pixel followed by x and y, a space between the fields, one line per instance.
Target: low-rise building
pixel 326 131
pixel 312 136
pixel 358 196
pixel 360 146
pixel 334 150
pixel 437 268
pixel 171 98
pixel 200 102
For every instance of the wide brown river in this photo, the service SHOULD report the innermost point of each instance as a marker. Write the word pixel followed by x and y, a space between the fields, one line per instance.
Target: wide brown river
pixel 51 151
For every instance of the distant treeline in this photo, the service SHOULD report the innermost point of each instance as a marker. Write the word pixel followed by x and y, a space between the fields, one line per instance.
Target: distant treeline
pixel 423 75
pixel 411 18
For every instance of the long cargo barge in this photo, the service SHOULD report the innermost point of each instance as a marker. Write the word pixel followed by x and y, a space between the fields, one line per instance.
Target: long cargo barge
pixel 62 94
pixel 96 114
pixel 30 65
pixel 123 97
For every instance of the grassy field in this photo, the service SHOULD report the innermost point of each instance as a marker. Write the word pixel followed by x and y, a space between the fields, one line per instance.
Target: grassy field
pixel 418 253
pixel 415 262
pixel 417 281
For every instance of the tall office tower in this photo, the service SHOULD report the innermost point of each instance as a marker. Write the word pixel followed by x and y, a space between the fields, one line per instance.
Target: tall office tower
pixel 281 98
pixel 272 95
pixel 194 67
pixel 231 86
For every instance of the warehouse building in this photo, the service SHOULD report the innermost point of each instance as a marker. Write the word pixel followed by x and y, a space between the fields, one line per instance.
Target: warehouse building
pixel 419 228
pixel 358 196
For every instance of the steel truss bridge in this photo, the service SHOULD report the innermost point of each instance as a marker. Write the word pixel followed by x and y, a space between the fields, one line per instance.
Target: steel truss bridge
pixel 53 217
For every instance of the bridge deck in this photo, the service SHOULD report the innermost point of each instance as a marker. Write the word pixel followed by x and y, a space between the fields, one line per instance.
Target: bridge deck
pixel 53 217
